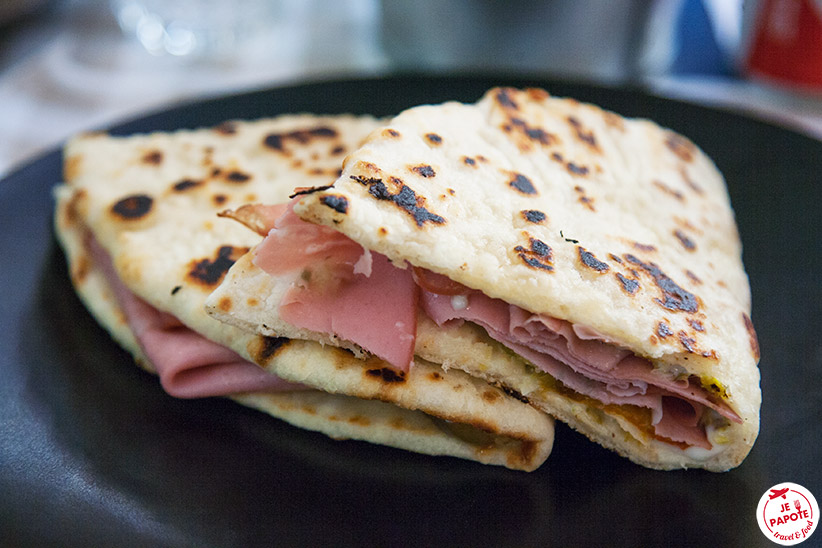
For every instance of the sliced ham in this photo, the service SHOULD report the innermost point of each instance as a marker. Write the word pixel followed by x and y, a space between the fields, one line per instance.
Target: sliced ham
pixel 589 366
pixel 188 364
pixel 342 289
pixel 679 422
pixel 292 244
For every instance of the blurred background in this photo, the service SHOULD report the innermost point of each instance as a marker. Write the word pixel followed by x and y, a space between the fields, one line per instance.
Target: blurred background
pixel 72 65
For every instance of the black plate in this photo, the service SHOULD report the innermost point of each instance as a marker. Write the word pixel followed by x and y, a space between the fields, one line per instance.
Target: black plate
pixel 93 453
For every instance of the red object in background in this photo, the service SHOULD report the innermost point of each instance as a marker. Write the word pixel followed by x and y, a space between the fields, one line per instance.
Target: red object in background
pixel 787 42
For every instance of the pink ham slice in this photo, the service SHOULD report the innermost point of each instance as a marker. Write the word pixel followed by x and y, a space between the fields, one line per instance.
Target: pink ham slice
pixel 588 366
pixel 343 289
pixel 188 364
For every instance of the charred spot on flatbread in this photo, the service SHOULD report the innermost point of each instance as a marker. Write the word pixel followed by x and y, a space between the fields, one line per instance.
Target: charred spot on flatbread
pixel 153 157
pixel 433 139
pixel 629 285
pixel 237 176
pixel 279 141
pixel 491 396
pixel 690 182
pixel 667 189
pixel 577 169
pixel 684 149
pixel 185 184
pixel 504 99
pixel 335 202
pixel 688 339
pixel 538 255
pixel 424 170
pixel 533 216
pixel 403 196
pixel 688 343
pixel 474 161
pixel 133 207
pixel 209 272
pixel 225 304
pixel 572 167
pixel 693 277
pixel 588 259
pixel 535 133
pixel 521 133
pixel 226 128
pixel 583 134
pixel 583 198
pixel 527 450
pixel 644 247
pixel 521 183
pixel 674 297
pixel 448 192
pixel 686 242
pixel 387 375
pixel 263 348
pixel 524 135
pixel 613 120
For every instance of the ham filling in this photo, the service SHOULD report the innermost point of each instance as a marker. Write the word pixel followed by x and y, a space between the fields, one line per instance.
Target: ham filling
pixel 188 364
pixel 342 289
pixel 360 296
pixel 588 366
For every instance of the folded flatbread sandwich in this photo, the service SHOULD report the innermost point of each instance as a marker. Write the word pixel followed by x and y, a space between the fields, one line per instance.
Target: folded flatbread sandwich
pixel 587 263
pixel 138 220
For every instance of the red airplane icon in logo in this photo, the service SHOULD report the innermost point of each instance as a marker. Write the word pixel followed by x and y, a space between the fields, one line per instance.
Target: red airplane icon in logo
pixel 775 493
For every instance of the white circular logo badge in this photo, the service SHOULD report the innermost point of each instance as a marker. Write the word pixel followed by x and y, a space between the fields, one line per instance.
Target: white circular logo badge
pixel 787 514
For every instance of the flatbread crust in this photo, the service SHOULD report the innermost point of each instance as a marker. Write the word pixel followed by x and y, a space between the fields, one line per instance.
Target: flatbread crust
pixel 568 210
pixel 151 201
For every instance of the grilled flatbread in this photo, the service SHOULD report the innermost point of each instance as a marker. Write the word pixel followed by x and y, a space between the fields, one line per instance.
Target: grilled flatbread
pixel 138 220
pixel 594 259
